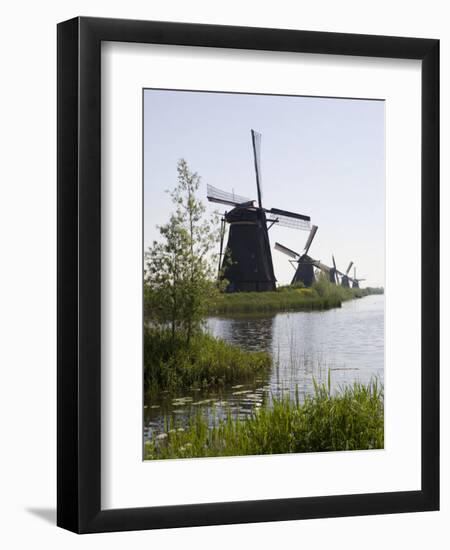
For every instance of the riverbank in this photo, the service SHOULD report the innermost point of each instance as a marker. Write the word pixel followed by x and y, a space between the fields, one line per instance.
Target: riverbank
pixel 206 362
pixel 350 420
pixel 322 295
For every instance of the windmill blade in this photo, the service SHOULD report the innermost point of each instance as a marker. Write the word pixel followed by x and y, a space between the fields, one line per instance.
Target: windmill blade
pixel 321 266
pixel 349 267
pixel 354 276
pixel 222 235
pixel 334 262
pixel 256 142
pixel 310 238
pixel 214 194
pixel 286 251
pixel 288 219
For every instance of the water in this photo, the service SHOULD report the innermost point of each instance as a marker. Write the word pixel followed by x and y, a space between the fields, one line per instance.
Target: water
pixel 348 342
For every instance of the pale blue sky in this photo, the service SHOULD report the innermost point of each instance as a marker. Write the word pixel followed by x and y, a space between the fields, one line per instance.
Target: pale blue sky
pixel 322 157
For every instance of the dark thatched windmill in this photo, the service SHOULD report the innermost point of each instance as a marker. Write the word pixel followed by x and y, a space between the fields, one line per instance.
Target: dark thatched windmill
pixel 304 268
pixel 345 280
pixel 248 263
pixel 355 280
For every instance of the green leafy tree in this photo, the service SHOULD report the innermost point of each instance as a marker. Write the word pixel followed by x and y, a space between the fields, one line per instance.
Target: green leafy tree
pixel 180 268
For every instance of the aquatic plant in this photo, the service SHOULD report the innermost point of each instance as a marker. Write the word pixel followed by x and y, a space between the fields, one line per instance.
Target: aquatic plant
pixel 351 419
pixel 171 363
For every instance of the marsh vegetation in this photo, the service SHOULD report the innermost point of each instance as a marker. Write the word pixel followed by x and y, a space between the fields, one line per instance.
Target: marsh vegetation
pixel 205 362
pixel 351 419
pixel 322 295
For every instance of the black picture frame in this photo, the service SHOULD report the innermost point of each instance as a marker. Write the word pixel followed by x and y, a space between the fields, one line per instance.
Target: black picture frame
pixel 79 281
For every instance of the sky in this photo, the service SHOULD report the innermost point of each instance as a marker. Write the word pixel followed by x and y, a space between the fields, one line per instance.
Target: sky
pixel 323 157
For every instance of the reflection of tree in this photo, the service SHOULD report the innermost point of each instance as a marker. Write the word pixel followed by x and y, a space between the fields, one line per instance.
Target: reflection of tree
pixel 252 334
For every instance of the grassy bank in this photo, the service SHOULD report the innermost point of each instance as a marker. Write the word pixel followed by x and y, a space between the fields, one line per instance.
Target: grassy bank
pixel 350 420
pixel 323 295
pixel 171 364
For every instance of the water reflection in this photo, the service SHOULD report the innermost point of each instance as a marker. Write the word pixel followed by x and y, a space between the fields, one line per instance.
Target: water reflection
pixel 347 342
pixel 250 333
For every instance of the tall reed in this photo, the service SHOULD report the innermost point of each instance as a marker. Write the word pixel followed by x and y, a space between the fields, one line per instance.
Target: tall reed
pixel 171 364
pixel 351 419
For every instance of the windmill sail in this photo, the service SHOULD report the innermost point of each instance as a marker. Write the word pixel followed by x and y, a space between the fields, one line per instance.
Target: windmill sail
pixel 256 142
pixel 214 194
pixel 310 238
pixel 321 266
pixel 286 250
pixel 222 235
pixel 283 218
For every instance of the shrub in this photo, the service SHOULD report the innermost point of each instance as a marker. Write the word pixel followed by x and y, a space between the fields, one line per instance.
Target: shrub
pixel 172 363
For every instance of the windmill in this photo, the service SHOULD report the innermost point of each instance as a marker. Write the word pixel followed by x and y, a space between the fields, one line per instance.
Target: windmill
pixel 345 280
pixel 355 280
pixel 248 260
pixel 334 273
pixel 304 271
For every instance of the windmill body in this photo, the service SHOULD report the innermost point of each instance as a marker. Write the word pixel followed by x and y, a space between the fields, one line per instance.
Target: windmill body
pixel 305 272
pixel 333 274
pixel 248 266
pixel 355 281
pixel 346 280
pixel 247 262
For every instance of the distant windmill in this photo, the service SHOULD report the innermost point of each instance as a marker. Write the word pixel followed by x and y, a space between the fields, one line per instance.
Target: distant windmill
pixel 345 280
pixel 304 271
pixel 355 280
pixel 248 256
pixel 334 273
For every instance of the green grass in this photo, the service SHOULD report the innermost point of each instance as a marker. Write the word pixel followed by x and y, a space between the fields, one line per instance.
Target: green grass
pixel 322 295
pixel 171 364
pixel 352 419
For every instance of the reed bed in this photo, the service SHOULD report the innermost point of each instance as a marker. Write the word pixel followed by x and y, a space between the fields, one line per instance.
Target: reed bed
pixel 351 419
pixel 322 295
pixel 206 362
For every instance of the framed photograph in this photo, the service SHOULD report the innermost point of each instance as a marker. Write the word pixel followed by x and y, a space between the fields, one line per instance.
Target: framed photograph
pixel 248 275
